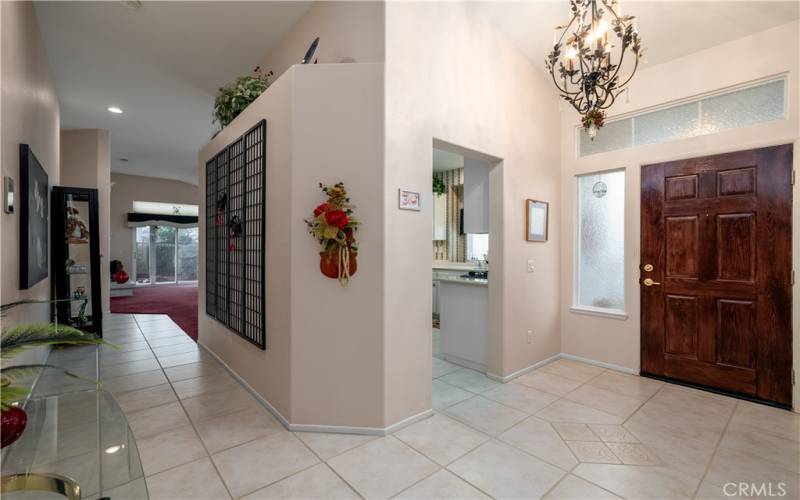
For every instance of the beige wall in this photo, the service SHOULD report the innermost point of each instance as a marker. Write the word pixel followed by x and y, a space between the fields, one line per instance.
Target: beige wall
pixel 28 114
pixel 323 363
pixel 86 162
pixel 125 189
pixel 348 32
pixel 761 55
pixel 451 76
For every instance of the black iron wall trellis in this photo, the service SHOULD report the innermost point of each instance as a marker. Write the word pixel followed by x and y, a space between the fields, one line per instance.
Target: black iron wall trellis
pixel 235 235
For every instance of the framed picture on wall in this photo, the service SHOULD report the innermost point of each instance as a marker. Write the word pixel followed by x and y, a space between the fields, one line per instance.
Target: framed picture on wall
pixel 536 220
pixel 34 216
pixel 409 200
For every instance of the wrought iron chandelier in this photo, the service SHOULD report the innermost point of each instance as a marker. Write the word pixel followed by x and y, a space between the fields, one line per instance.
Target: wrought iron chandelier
pixel 588 55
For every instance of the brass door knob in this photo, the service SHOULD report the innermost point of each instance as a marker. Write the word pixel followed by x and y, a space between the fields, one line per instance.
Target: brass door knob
pixel 648 267
pixel 649 282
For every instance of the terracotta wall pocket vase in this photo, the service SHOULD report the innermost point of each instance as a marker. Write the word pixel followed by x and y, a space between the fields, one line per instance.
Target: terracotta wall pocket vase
pixel 334 226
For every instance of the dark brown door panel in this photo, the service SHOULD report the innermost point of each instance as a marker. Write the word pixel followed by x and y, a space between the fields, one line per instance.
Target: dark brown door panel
pixel 721 377
pixel 716 306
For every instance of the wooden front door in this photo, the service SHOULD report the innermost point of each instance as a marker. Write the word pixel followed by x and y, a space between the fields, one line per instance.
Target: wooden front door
pixel 716 273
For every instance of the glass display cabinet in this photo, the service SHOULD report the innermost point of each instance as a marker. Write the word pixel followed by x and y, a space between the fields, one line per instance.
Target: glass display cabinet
pixel 76 258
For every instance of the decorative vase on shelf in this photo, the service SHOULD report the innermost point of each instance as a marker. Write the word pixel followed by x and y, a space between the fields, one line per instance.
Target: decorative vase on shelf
pixel 329 263
pixel 12 424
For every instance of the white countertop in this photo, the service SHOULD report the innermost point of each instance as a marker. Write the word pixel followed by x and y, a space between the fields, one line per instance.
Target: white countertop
pixel 456 266
pixel 464 281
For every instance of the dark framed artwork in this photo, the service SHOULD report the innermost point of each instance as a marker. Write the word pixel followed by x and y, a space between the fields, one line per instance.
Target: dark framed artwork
pixel 536 220
pixel 34 217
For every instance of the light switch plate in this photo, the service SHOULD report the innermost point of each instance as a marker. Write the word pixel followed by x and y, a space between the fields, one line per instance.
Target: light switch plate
pixel 8 195
pixel 530 265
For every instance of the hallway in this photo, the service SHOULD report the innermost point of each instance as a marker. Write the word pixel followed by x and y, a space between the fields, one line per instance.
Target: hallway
pixel 179 302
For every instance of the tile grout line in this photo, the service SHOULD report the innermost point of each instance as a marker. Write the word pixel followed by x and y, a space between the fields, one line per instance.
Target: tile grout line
pixel 209 455
pixel 439 469
pixel 590 429
pixel 186 414
pixel 496 438
pixel 323 461
pixel 445 467
pixel 501 441
pixel 560 480
pixel 716 449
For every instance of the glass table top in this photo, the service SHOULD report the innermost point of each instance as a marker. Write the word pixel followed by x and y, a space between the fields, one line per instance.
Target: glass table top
pixel 84 436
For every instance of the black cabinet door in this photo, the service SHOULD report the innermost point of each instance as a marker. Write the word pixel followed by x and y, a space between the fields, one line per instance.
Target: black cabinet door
pixel 76 258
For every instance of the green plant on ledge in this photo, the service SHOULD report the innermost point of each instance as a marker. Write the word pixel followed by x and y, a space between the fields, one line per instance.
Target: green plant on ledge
pixel 438 186
pixel 18 338
pixel 233 98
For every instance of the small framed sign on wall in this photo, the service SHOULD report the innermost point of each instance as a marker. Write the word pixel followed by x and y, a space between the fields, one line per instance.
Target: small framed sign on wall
pixel 536 220
pixel 409 200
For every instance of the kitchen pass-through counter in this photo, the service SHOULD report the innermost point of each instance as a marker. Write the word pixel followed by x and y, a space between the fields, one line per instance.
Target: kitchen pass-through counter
pixel 463 307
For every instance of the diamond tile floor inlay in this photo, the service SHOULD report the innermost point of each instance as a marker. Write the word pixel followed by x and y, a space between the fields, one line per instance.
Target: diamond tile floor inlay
pixel 565 431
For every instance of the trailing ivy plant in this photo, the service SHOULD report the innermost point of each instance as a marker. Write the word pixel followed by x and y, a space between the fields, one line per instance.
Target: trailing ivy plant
pixel 233 98
pixel 438 186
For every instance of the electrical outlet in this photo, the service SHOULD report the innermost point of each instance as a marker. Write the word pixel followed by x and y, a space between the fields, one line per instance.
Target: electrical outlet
pixel 530 336
pixel 530 265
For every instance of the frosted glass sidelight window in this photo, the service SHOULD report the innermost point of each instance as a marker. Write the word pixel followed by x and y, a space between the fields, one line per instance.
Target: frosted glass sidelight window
pixel 601 241
pixel 761 103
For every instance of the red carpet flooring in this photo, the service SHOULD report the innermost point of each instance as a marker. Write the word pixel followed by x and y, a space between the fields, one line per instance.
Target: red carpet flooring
pixel 177 301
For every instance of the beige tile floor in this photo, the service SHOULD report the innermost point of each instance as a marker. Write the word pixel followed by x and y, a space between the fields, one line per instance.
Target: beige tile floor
pixel 566 430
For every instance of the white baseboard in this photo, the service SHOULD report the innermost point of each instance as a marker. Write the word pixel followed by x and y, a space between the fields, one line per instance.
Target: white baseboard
pixel 249 389
pixel 335 429
pixel 601 364
pixel 370 431
pixel 525 370
pixel 465 363
pixel 382 431
pixel 408 421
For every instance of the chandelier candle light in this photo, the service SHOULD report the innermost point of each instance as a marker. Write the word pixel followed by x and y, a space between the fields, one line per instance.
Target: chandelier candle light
pixel 588 55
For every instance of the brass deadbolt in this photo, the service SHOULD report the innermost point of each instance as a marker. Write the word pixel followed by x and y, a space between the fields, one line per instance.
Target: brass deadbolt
pixel 648 267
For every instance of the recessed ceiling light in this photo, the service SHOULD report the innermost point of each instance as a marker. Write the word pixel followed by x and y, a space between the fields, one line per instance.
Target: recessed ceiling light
pixel 132 4
pixel 115 110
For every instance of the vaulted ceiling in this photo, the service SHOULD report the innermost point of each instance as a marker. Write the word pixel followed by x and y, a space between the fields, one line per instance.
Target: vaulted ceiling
pixel 161 64
pixel 669 29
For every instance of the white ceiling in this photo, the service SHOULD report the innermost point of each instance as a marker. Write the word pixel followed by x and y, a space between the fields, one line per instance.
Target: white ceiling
pixel 669 28
pixel 161 64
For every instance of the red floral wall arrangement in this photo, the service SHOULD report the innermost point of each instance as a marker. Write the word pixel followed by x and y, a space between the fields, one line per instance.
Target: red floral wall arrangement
pixel 334 227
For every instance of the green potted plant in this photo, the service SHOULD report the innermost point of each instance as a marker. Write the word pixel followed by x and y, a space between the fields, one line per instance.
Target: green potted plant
pixel 15 340
pixel 438 185
pixel 233 98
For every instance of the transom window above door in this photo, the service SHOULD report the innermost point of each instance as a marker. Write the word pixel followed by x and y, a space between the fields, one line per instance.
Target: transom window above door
pixel 750 104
